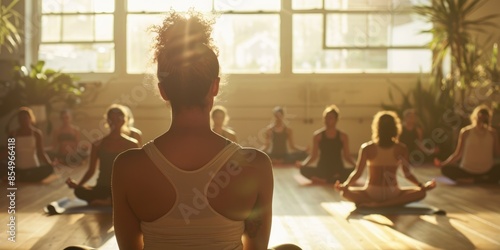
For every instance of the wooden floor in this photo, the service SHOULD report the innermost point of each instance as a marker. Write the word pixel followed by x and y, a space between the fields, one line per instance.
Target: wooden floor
pixel 311 216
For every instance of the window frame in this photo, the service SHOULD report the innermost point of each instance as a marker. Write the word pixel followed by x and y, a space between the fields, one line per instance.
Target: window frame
pixel 285 51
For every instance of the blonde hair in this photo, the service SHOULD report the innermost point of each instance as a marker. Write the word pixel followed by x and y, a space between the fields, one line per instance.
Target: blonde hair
pixel 331 109
pixel 221 109
pixel 480 109
pixel 122 109
pixel 386 128
pixel 29 112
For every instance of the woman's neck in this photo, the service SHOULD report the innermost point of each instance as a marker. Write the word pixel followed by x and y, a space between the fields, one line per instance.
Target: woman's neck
pixel 191 119
pixel 331 129
pixel 115 133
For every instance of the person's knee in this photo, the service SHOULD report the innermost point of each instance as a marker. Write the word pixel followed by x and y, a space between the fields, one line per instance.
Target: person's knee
pixel 446 171
pixel 420 195
pixel 286 247
pixel 304 171
pixel 81 193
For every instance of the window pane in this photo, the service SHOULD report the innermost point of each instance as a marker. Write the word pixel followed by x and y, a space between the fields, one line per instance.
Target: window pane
pixel 409 60
pixel 85 6
pixel 247 5
pixel 358 4
pixel 346 30
pixel 379 26
pixel 407 4
pixel 51 28
pixel 248 43
pixel 51 6
pixel 307 4
pixel 104 27
pixel 407 30
pixel 166 5
pixel 308 55
pixel 78 28
pixel 77 58
pixel 139 41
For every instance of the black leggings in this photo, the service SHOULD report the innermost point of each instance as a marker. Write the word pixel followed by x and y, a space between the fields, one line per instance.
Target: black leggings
pixel 90 194
pixel 340 174
pixel 34 174
pixel 454 172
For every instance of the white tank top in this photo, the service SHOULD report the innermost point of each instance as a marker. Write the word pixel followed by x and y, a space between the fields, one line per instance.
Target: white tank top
pixel 26 156
pixel 192 223
pixel 477 156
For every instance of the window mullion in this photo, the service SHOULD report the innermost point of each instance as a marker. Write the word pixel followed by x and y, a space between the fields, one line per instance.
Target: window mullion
pixel 120 37
pixel 286 37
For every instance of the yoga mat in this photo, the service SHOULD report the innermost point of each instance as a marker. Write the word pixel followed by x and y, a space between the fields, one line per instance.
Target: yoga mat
pixel 74 206
pixel 413 208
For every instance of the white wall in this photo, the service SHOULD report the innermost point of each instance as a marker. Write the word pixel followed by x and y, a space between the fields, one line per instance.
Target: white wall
pixel 250 100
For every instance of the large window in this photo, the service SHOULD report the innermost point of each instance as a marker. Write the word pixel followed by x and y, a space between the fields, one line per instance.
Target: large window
pixel 358 36
pixel 317 36
pixel 246 32
pixel 77 35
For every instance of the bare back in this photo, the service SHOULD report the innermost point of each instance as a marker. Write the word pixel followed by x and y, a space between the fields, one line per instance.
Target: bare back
pixel 152 195
pixel 383 164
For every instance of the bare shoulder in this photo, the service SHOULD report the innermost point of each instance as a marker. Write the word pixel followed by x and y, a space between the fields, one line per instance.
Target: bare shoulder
pixel 252 155
pixel 368 145
pixel 37 132
pixel 492 130
pixel 127 162
pixel 135 130
pixel 343 136
pixel 130 141
pixel 317 134
pixel 466 130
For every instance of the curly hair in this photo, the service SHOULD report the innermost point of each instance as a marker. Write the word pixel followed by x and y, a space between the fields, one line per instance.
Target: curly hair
pixel 186 57
pixel 386 128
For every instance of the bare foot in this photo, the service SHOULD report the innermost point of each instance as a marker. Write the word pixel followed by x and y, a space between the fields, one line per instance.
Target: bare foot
pixel 430 185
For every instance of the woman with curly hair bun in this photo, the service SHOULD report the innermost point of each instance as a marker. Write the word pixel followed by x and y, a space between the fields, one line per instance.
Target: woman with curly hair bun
pixel 191 188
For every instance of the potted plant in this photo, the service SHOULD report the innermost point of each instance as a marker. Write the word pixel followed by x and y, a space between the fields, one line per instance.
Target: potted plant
pixel 44 90
pixel 452 35
pixel 10 20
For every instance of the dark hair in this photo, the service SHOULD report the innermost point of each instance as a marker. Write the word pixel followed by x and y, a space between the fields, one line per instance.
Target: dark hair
pixel 187 60
pixel 386 128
